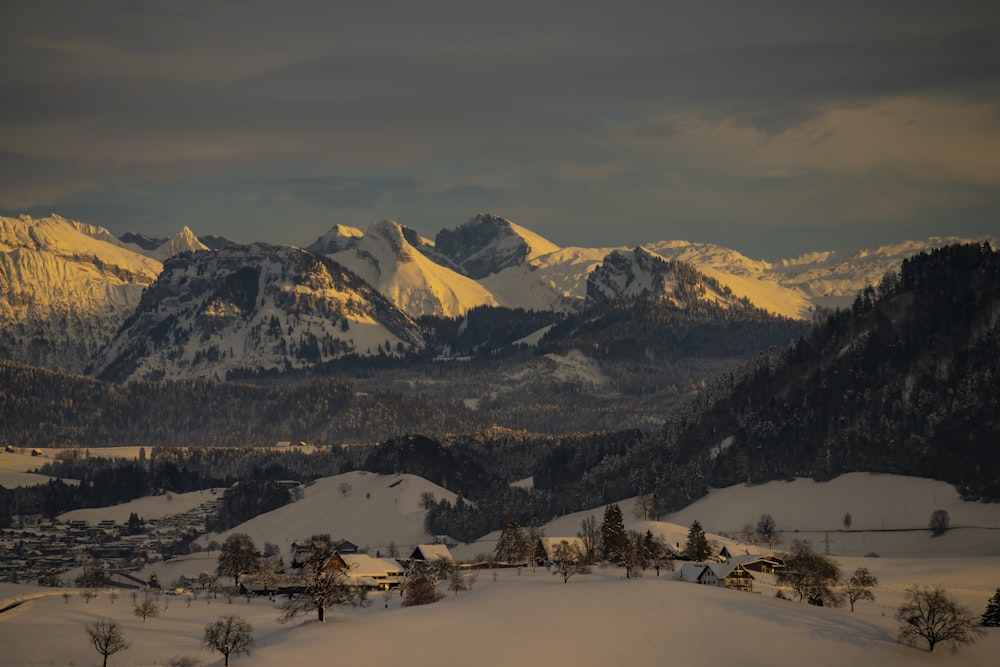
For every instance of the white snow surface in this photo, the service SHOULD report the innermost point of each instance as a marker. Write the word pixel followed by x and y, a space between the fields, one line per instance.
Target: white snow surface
pixel 417 285
pixel 554 281
pixel 530 617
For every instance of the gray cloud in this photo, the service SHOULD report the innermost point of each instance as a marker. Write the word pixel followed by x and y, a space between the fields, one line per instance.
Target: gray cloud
pixel 592 122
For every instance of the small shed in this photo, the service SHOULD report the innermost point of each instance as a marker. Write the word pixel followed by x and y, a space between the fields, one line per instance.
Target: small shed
pixel 431 552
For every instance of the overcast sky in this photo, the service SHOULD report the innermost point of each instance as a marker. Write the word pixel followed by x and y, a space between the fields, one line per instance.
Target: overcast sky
pixel 773 128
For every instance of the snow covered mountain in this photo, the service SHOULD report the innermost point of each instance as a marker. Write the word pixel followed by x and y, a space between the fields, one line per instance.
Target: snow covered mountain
pixel 385 257
pixel 641 273
pixel 164 249
pixel 340 237
pixel 249 310
pixel 65 289
pixel 487 244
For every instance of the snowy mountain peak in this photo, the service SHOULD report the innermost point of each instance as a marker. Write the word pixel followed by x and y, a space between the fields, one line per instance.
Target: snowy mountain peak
pixel 183 241
pixel 340 237
pixel 641 273
pixel 385 257
pixel 487 244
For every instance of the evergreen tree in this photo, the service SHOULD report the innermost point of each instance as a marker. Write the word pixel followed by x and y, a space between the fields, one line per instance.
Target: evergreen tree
pixel 991 618
pixel 613 538
pixel 697 548
pixel 512 546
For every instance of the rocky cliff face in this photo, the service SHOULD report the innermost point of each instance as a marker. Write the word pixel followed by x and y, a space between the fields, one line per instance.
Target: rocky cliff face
pixel 487 244
pixel 65 289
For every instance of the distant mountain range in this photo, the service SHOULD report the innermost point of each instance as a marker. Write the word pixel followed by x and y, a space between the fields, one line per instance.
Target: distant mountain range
pixel 75 298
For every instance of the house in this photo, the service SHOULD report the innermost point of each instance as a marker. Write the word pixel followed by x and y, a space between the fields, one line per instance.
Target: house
pixel 367 572
pixel 721 575
pixel 739 578
pixel 543 551
pixel 699 573
pixel 428 553
pixel 767 564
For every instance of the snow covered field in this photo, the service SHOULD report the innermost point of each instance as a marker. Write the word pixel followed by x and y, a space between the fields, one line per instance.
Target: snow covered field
pixel 533 618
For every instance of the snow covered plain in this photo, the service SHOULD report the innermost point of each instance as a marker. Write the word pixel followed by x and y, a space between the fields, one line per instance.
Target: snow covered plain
pixel 531 617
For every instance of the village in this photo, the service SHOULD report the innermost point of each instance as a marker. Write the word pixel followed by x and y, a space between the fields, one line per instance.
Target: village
pixel 39 549
pixel 49 551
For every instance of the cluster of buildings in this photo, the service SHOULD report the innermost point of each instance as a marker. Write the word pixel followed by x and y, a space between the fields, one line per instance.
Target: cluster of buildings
pixel 42 549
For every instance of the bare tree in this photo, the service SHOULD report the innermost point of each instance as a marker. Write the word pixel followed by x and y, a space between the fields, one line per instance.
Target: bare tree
pixel 940 522
pixel 344 488
pixel 811 575
pixel 237 556
pixel 749 535
pixel 658 552
pixel 569 560
pixel 590 533
pixel 227 635
pixel 644 507
pixel 456 582
pixel 319 587
pixel 146 609
pixel 269 572
pixel 930 614
pixel 88 594
pixel 634 556
pixel 860 585
pixel 767 530
pixel 847 521
pixel 107 638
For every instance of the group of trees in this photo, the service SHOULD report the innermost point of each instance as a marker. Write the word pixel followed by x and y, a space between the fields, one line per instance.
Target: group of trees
pixel 229 635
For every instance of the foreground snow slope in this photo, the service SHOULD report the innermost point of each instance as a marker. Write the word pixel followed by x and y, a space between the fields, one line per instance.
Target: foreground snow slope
pixel 532 618
pixel 527 618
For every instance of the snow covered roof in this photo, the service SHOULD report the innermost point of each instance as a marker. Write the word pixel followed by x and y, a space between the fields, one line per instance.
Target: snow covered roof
pixel 431 552
pixel 363 565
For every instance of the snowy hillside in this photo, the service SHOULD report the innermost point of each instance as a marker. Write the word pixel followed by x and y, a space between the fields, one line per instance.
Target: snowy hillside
pixel 65 288
pixel 371 511
pixel 400 272
pixel 555 281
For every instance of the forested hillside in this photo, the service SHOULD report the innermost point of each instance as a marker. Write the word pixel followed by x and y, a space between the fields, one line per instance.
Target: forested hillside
pixel 906 381
pixel 41 408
